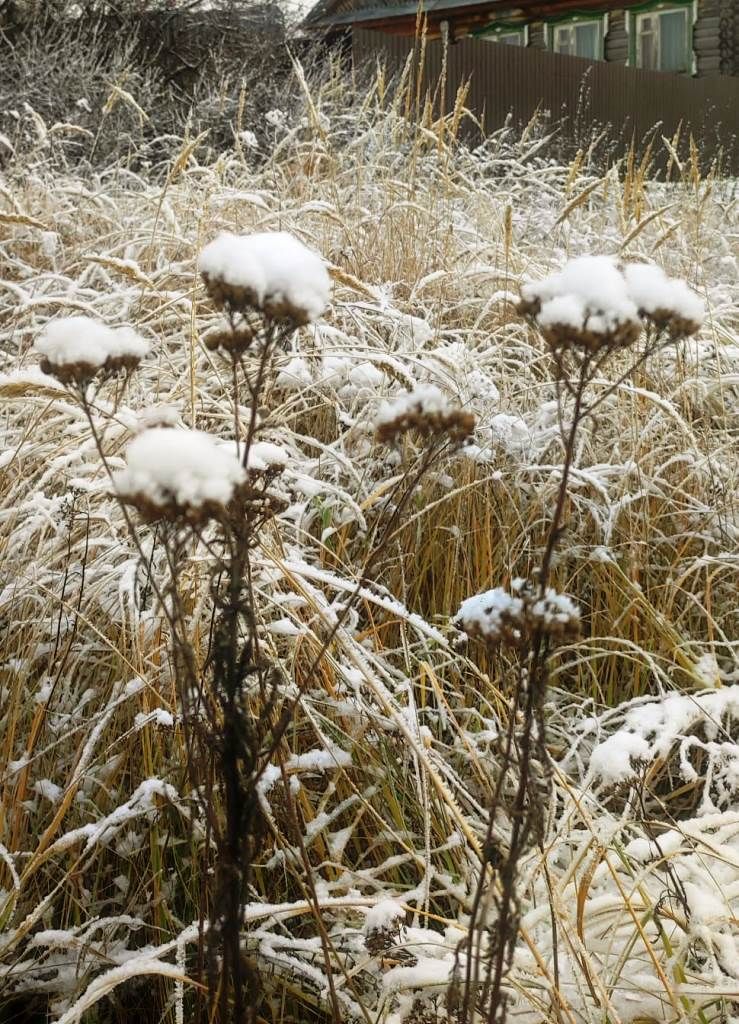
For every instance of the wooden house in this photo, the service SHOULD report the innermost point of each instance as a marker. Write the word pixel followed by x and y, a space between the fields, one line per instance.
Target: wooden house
pixel 685 37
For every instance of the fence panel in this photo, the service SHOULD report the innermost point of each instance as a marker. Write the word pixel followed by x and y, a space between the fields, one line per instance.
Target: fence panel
pixel 513 80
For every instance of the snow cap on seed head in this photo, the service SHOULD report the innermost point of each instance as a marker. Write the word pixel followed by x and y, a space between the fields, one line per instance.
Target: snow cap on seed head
pixel 586 304
pixel 667 301
pixel 512 616
pixel 425 410
pixel 594 302
pixel 272 272
pixel 77 348
pixel 178 474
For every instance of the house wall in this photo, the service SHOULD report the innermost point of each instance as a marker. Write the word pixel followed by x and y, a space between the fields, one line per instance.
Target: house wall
pixel 715 31
pixel 706 44
pixel 617 38
pixel 537 36
pixel 715 37
pixel 729 37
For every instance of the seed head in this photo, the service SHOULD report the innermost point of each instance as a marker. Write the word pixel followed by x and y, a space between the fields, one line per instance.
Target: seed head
pixel 426 411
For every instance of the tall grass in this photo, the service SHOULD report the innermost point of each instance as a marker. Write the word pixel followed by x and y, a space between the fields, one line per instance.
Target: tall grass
pixel 104 859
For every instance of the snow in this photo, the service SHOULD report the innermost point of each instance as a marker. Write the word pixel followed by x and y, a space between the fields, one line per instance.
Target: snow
pixel 285 627
pixel 589 293
pixel 49 790
pixel 427 972
pixel 294 375
pixel 487 615
pixel 613 761
pixel 264 457
pixel 554 610
pixel 276 118
pixel 568 310
pixel 512 432
pixel 425 400
pixel 159 716
pixel 595 294
pixel 188 467
pixel 707 671
pixel 83 340
pixel 249 139
pixel 654 292
pixel 279 273
pixel 320 760
pixel 384 916
pixel 164 415
pixel 366 375
pixel 507 614
pixel 231 259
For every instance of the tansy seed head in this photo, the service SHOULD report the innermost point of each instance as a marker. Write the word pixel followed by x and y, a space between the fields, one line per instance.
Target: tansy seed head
pixel 426 411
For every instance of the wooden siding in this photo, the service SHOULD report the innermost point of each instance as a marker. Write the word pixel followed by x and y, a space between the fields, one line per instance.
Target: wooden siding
pixel 706 39
pixel 729 37
pixel 507 80
pixel 715 36
pixel 617 38
pixel 537 35
pixel 710 55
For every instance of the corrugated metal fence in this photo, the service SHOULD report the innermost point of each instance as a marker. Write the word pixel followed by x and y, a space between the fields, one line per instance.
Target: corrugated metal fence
pixel 583 95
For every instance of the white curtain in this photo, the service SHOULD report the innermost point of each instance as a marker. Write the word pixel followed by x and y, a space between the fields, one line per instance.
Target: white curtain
pixel 673 26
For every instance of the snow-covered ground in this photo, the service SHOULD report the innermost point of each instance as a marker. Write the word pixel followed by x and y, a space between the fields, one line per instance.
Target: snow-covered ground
pixel 629 909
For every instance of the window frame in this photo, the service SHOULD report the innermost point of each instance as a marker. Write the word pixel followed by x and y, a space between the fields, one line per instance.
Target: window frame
pixel 635 17
pixel 599 20
pixel 494 33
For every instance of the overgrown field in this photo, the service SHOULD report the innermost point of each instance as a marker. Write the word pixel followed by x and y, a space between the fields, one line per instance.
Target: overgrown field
pixel 629 905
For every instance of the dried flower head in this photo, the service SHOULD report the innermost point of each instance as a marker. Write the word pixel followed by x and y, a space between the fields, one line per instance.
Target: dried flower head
pixel 667 302
pixel 585 305
pixel 382 926
pixel 494 617
pixel 512 617
pixel 180 475
pixel 595 303
pixel 77 348
pixel 426 411
pixel 265 459
pixel 271 272
pixel 232 342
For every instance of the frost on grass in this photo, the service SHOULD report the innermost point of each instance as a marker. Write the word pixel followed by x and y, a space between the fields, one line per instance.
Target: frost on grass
pixel 170 472
pixel 75 348
pixel 273 272
pixel 623 874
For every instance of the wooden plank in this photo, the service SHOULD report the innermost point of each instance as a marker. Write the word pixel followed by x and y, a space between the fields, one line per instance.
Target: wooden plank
pixel 536 35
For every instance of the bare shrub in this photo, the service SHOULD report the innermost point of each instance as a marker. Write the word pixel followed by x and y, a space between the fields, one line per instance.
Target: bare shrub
pixel 112 84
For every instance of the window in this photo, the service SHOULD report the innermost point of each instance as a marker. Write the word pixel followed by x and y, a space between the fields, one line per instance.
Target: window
pixel 578 39
pixel 663 39
pixel 511 38
pixel 506 34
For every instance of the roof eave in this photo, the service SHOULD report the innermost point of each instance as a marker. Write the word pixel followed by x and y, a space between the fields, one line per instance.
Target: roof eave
pixel 377 14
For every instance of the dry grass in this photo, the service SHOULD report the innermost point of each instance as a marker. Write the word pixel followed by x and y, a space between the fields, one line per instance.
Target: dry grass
pixel 427 241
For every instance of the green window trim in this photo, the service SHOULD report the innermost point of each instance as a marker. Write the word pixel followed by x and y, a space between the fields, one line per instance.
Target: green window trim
pixel 574 19
pixel 504 28
pixel 634 14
